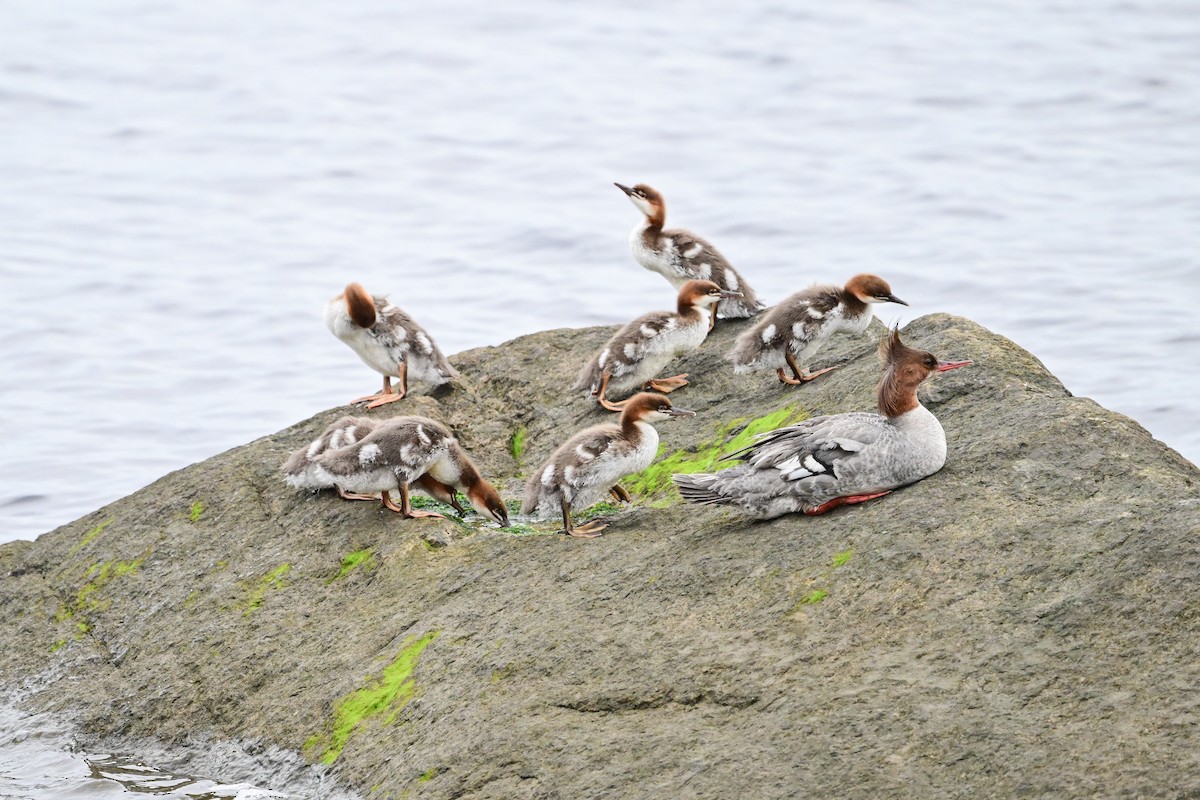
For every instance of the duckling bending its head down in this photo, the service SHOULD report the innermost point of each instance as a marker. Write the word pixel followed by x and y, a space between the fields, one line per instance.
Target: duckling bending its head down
pixel 388 341
pixel 791 333
pixel 840 459
pixel 681 256
pixel 302 470
pixel 392 456
pixel 588 465
pixel 636 353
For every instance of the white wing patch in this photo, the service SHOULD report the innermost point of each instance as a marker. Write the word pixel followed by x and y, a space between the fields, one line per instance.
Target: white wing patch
pixel 368 454
pixel 422 435
pixel 648 331
pixel 768 333
pixel 704 271
pixel 695 250
pixel 631 350
pixel 423 340
pixel 548 476
pixel 313 449
pixel 731 281
pixel 603 358
pixel 584 454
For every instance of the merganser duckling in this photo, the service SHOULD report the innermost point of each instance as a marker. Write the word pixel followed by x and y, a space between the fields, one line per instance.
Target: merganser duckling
pixel 681 256
pixel 588 465
pixel 303 472
pixel 388 341
pixel 840 459
pixel 638 351
pixel 397 453
pixel 793 331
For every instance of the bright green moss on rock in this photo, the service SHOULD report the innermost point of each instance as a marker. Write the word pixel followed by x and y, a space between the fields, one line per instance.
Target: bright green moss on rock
pixel 384 697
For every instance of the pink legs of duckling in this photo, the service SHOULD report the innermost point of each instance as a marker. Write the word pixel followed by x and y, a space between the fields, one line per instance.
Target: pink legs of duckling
pixel 405 508
pixel 802 375
pixel 849 500
pixel 664 385
pixel 436 489
pixel 589 530
pixel 387 395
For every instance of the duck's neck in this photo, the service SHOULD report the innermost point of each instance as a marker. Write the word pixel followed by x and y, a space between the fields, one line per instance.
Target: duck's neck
pixel 688 311
pixel 854 306
pixel 896 398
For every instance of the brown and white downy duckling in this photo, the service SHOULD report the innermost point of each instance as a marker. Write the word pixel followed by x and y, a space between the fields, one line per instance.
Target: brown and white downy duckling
pixel 302 469
pixel 681 256
pixel 588 465
pixel 388 341
pixel 839 459
pixel 393 456
pixel 790 333
pixel 639 351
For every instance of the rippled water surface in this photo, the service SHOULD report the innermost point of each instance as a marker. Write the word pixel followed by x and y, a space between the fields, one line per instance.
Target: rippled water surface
pixel 41 760
pixel 184 185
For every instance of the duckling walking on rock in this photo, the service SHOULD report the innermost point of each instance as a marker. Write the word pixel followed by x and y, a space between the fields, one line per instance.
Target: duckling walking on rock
pixel 791 332
pixel 681 256
pixel 840 459
pixel 636 353
pixel 588 465
pixel 388 341
pixel 391 457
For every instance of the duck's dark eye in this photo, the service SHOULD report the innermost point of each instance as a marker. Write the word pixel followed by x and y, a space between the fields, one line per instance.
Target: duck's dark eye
pixel 931 362
pixel 664 409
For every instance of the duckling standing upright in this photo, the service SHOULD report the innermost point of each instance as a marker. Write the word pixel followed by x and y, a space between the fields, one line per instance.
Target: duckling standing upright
pixel 841 459
pixel 395 454
pixel 636 353
pixel 388 341
pixel 791 332
pixel 681 256
pixel 303 470
pixel 588 465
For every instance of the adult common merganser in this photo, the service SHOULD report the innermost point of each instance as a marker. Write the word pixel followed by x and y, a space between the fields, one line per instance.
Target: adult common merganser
pixel 588 465
pixel 639 351
pixel 841 459
pixel 388 341
pixel 791 332
pixel 390 457
pixel 303 471
pixel 681 256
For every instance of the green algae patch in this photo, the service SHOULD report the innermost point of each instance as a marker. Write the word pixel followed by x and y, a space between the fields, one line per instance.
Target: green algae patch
pixel 382 697
pixel 842 558
pixel 272 580
pixel 89 599
pixel 364 559
pixel 516 444
pixel 813 597
pixel 655 483
pixel 91 536
pixel 428 775
pixel 195 511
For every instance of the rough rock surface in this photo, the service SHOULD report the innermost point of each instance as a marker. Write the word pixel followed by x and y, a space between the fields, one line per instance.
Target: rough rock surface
pixel 1024 623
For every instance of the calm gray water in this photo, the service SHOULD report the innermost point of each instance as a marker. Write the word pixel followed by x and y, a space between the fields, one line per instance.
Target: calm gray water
pixel 183 185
